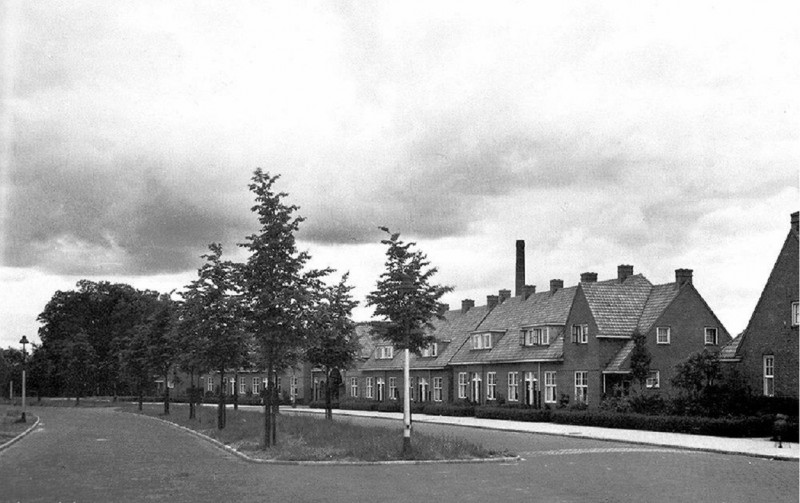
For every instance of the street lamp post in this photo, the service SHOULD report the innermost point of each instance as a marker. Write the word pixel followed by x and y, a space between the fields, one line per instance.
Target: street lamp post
pixel 406 287
pixel 24 342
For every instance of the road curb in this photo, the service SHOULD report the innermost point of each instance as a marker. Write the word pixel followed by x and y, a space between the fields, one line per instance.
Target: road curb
pixel 776 457
pixel 241 455
pixel 20 436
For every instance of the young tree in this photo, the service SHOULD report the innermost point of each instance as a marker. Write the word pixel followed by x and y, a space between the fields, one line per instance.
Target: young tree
pixel 640 359
pixel 159 336
pixel 334 344
pixel 407 301
pixel 211 320
pixel 277 292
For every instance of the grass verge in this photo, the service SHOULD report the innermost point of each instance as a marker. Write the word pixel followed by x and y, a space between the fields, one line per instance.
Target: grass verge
pixel 9 425
pixel 312 438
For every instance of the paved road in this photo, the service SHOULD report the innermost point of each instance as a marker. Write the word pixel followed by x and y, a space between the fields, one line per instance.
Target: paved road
pixel 104 455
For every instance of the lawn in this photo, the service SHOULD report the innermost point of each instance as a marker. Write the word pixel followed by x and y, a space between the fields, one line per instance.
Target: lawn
pixel 309 437
pixel 9 427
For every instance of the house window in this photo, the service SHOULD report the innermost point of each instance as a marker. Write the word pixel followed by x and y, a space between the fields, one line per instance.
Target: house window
pixel 210 383
pixel 242 385
pixel 795 314
pixel 431 350
pixel 385 352
pixel 482 341
pixel 662 335
pixel 550 387
pixel 711 337
pixel 232 382
pixel 463 384
pixel 393 388
pixel 582 386
pixel 437 389
pixel 381 388
pixel 256 382
pixel 537 336
pixel 422 386
pixel 580 334
pixel 513 386
pixel 354 386
pixel 769 375
pixel 294 386
pixel 476 387
pixel 411 389
pixel 368 387
pixel 491 385
pixel 653 379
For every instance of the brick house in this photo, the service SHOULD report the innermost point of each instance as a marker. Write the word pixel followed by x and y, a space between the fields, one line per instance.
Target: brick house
pixel 767 351
pixel 513 354
pixel 381 375
pixel 673 317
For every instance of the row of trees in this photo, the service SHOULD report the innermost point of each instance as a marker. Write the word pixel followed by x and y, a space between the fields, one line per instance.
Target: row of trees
pixel 268 312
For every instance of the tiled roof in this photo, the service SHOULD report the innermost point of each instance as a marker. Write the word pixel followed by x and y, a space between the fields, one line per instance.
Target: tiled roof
pixel 450 333
pixel 618 363
pixel 507 319
pixel 660 297
pixel 728 351
pixel 617 307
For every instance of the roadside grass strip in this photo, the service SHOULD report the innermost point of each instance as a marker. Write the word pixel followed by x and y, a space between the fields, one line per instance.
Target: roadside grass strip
pixel 19 436
pixel 316 441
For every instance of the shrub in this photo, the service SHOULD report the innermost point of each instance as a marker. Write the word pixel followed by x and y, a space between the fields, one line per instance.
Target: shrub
pixel 513 414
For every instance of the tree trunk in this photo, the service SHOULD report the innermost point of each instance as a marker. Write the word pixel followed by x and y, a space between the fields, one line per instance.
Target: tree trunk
pixel 236 390
pixel 221 402
pixel 141 396
pixel 328 405
pixel 267 443
pixel 275 403
pixel 191 394
pixel 166 394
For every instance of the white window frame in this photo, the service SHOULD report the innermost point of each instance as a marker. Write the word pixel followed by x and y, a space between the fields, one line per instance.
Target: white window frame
pixel 663 335
pixel 380 388
pixel 550 387
pixel 354 387
pixel 295 381
pixel 209 384
pixel 482 341
pixel 422 389
pixel 714 339
pixel 369 387
pixel 431 350
pixel 437 389
pixel 487 340
pixel 491 385
pixel 392 388
pixel 385 352
pixel 653 379
pixel 769 375
pixel 581 386
pixel 580 333
pixel 513 386
pixel 256 382
pixel 476 381
pixel 232 382
pixel 795 313
pixel 463 384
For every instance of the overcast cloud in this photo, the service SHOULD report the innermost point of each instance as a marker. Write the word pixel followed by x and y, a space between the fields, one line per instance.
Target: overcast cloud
pixel 663 135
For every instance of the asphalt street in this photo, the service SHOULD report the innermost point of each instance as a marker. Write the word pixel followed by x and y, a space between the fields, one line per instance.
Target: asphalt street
pixel 81 454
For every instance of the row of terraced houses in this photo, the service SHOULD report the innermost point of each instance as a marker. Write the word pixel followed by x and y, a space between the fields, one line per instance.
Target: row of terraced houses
pixel 571 344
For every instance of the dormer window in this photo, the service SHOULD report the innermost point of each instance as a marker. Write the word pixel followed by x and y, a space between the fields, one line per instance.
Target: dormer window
pixel 482 341
pixel 536 336
pixel 385 352
pixel 431 351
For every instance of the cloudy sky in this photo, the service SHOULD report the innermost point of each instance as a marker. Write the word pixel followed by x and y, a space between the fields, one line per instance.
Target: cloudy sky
pixel 658 134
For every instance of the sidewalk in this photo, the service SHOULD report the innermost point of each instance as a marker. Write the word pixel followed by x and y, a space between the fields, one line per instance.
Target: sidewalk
pixel 758 447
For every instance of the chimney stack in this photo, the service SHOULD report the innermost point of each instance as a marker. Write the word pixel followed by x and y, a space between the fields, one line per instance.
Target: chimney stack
pixel 683 276
pixel 504 295
pixel 589 277
pixel 529 290
pixel 491 301
pixel 466 305
pixel 555 284
pixel 623 272
pixel 519 284
pixel 794 220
